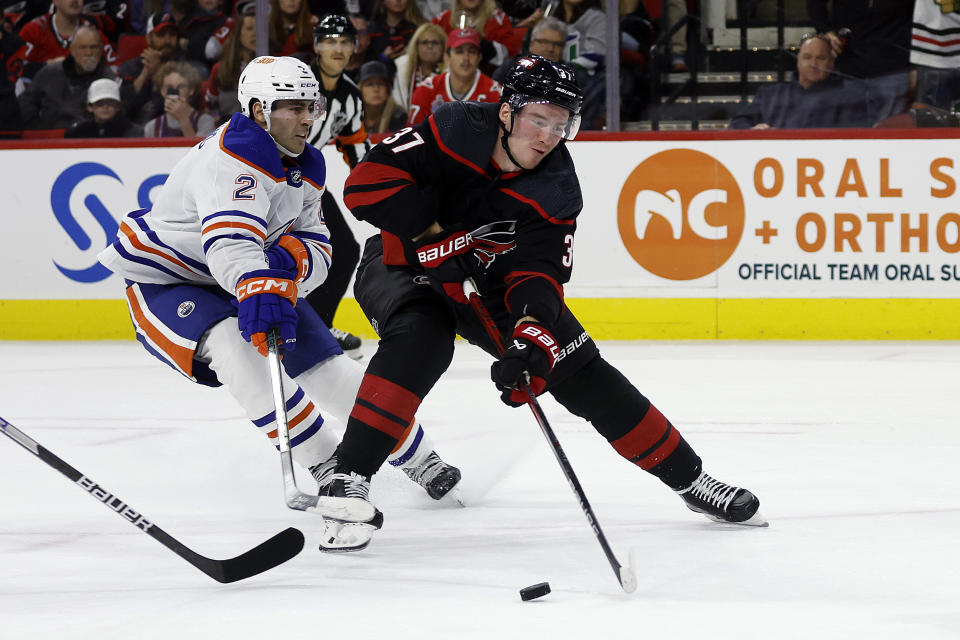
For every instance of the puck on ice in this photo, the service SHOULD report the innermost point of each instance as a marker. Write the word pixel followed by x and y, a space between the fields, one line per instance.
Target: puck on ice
pixel 534 591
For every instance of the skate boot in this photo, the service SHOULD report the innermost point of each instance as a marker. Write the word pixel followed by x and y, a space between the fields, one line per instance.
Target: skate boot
pixel 722 502
pixel 348 342
pixel 323 472
pixel 434 475
pixel 346 500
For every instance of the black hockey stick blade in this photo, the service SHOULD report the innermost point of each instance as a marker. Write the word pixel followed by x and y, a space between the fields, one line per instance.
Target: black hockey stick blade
pixel 275 551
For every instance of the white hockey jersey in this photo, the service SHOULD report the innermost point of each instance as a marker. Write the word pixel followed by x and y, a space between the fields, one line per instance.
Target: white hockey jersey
pixel 226 201
pixel 935 41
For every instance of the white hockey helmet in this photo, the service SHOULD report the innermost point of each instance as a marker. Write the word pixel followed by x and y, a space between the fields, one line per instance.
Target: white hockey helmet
pixel 271 78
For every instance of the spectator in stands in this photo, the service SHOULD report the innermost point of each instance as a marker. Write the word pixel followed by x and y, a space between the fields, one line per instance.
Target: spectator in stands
pixel 10 64
pixel 238 51
pixel 933 48
pixel 500 39
pixel 105 117
pixel 548 39
pixel 462 81
pixel 179 86
pixel 815 98
pixel 136 88
pixel 195 28
pixel 58 95
pixel 291 29
pixel 48 37
pixel 430 9
pixel 877 42
pixel 359 56
pixel 380 113
pixel 424 58
pixel 393 24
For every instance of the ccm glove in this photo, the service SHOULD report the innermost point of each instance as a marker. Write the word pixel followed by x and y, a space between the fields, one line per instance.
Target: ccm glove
pixel 529 358
pixel 290 255
pixel 265 300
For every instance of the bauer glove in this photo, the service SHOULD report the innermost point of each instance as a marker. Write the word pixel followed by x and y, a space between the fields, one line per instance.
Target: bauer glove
pixel 265 300
pixel 529 358
pixel 452 256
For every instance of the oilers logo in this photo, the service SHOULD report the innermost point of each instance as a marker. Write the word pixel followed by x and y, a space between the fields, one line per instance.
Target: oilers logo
pixel 186 308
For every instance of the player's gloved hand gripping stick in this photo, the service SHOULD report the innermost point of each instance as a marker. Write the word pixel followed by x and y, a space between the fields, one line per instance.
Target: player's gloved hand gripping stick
pixel 626 575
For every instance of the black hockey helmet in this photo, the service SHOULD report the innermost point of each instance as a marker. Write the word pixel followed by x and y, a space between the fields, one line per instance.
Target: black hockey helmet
pixel 334 25
pixel 535 79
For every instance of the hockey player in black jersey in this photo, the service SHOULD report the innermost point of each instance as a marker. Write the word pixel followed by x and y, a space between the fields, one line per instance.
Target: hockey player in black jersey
pixel 490 192
pixel 334 42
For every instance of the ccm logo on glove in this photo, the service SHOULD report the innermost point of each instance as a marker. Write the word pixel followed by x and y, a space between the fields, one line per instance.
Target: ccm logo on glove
pixel 281 287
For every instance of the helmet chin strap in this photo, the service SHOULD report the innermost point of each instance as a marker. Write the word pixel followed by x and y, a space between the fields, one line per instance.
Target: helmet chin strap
pixel 503 141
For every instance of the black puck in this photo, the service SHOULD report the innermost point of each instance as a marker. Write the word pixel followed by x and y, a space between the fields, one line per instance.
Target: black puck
pixel 534 591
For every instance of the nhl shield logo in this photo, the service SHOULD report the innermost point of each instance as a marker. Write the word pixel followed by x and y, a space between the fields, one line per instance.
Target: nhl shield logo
pixel 186 308
pixel 294 177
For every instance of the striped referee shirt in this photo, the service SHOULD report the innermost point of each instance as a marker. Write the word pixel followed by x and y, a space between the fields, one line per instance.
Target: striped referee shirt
pixel 343 122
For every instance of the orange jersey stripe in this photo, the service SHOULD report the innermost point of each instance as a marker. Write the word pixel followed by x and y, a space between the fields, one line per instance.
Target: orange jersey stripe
pixel 135 241
pixel 235 225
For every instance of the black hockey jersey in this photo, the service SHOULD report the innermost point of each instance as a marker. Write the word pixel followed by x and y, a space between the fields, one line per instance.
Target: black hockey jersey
pixel 442 170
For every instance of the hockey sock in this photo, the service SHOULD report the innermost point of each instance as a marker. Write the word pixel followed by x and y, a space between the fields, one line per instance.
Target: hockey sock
pixel 598 392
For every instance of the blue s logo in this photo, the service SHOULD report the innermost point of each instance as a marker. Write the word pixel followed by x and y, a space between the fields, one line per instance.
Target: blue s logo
pixel 60 194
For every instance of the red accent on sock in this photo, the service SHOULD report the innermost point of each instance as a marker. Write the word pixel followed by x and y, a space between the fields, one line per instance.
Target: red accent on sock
pixel 646 435
pixel 390 398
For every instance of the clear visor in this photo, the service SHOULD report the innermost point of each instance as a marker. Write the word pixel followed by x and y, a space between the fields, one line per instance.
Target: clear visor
pixel 566 129
pixel 316 108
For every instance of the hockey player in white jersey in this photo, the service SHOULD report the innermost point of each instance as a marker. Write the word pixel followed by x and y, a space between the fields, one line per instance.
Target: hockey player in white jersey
pixel 234 240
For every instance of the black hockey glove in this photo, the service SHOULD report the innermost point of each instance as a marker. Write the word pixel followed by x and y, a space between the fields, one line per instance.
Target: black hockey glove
pixel 454 255
pixel 529 358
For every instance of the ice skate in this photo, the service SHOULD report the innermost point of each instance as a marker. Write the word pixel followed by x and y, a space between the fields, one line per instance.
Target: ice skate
pixel 435 476
pixel 346 507
pixel 721 502
pixel 348 342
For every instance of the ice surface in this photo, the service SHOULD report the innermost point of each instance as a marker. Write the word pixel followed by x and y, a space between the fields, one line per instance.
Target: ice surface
pixel 851 447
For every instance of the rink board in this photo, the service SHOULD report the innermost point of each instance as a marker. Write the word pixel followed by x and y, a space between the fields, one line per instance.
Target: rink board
pixel 837 235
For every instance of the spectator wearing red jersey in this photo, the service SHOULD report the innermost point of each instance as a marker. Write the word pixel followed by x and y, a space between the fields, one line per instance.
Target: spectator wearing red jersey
pixel 393 24
pixel 238 51
pixel 462 81
pixel 58 95
pixel 500 39
pixel 291 29
pixel 48 37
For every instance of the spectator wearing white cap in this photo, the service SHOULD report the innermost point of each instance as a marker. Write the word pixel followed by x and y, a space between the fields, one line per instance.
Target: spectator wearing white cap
pixel 105 117
pixel 57 96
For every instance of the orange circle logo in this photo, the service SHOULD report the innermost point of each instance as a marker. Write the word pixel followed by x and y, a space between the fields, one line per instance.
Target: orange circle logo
pixel 680 214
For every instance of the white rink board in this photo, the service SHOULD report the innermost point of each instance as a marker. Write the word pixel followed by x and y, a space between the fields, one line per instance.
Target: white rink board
pixel 894 200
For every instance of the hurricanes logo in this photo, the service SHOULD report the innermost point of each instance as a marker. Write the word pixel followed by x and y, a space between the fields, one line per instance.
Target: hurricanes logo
pixel 680 214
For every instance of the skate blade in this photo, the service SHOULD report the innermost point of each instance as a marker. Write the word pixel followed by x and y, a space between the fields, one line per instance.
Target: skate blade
pixel 453 497
pixel 346 510
pixel 341 537
pixel 756 520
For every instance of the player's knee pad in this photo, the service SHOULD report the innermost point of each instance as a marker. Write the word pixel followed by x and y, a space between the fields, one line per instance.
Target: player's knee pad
pixel 599 393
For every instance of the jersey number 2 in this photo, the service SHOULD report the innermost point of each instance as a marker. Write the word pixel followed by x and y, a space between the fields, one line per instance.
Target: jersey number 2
pixel 245 191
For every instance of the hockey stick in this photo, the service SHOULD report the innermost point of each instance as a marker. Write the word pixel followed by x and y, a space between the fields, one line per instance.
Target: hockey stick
pixel 626 575
pixel 264 556
pixel 345 509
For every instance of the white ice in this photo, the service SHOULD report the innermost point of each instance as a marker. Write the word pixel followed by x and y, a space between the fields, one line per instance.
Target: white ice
pixel 851 447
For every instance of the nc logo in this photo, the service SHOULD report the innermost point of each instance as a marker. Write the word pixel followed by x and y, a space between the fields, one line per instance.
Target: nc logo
pixel 63 190
pixel 669 206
